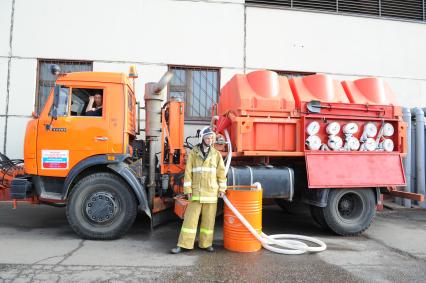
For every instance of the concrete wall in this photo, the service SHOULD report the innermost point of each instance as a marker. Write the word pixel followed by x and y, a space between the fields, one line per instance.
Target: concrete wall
pixel 152 31
pixel 342 46
pixel 217 33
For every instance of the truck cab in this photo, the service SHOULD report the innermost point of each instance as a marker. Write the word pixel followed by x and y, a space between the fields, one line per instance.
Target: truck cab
pixel 77 142
pixel 55 145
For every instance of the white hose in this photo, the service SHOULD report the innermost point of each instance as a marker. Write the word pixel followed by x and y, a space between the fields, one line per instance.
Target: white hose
pixel 313 142
pixel 280 243
pixel 229 157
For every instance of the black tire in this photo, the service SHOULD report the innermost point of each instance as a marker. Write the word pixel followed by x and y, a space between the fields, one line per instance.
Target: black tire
pixel 349 212
pixel 317 214
pixel 101 207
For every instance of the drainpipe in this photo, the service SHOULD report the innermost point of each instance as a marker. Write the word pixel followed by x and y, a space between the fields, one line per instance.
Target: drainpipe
pixel 413 154
pixel 406 116
pixel 420 152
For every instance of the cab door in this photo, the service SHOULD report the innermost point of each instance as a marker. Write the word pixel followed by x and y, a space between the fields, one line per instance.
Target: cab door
pixel 73 136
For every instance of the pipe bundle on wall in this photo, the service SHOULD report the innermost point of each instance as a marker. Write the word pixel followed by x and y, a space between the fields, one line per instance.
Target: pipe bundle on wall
pixel 414 162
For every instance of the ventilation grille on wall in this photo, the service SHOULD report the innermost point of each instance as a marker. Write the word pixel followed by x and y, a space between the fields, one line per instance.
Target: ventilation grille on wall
pixel 408 9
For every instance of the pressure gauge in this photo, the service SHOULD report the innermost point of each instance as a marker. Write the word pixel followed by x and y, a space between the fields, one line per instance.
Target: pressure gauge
pixel 387 145
pixel 313 142
pixel 333 128
pixel 335 142
pixel 350 128
pixel 388 130
pixel 370 144
pixel 352 143
pixel 313 128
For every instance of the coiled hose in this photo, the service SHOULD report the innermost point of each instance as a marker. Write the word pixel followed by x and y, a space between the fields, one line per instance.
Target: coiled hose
pixel 280 243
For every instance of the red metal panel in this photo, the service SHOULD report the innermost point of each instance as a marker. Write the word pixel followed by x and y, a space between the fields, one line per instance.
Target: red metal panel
pixel 354 169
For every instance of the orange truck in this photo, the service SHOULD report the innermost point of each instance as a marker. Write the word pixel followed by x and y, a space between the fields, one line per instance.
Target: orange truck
pixel 336 146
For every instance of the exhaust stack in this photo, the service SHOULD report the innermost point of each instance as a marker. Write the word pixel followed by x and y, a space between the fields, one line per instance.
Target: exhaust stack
pixel 154 98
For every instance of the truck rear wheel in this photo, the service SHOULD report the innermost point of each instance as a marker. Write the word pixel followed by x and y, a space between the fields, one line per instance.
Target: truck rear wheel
pixel 101 207
pixel 349 212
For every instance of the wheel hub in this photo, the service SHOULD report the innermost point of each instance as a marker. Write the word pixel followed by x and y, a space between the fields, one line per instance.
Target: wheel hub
pixel 101 207
pixel 346 206
pixel 350 206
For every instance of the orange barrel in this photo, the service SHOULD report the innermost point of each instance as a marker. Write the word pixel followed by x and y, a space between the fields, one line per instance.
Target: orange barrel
pixel 248 201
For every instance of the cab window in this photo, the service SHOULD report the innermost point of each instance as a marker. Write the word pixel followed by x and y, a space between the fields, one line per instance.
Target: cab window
pixel 87 102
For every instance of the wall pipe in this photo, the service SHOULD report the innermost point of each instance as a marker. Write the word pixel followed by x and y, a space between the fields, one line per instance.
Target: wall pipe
pixel 420 152
pixel 406 116
pixel 413 154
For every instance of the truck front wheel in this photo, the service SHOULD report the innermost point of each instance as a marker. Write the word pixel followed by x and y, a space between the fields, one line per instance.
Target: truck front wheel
pixel 349 212
pixel 101 207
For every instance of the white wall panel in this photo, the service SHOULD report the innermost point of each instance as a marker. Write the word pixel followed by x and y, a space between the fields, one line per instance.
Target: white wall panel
pixel 16 127
pixel 3 84
pixel 5 14
pixel 2 125
pixel 23 81
pixel 194 33
pixel 303 41
pixel 410 93
pixel 221 1
pixel 177 32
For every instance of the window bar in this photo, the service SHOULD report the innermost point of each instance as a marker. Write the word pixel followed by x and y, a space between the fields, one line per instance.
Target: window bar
pixel 188 95
pixel 207 94
pixel 198 97
pixel 337 6
pixel 380 8
pixel 291 3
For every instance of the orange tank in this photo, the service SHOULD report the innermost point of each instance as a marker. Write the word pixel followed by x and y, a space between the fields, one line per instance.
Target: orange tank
pixel 261 103
pixel 259 93
pixel 372 91
pixel 236 237
pixel 317 87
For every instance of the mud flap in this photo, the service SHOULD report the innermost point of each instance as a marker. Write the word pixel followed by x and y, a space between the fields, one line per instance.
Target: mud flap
pixel 126 173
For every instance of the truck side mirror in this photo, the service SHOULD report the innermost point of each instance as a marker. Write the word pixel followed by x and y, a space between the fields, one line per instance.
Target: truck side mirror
pixel 54 110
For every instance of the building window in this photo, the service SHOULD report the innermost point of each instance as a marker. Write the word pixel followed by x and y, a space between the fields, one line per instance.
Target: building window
pixel 407 10
pixel 199 87
pixel 46 80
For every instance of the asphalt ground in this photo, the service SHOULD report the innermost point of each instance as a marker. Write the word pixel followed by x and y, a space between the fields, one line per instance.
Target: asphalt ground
pixel 38 245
